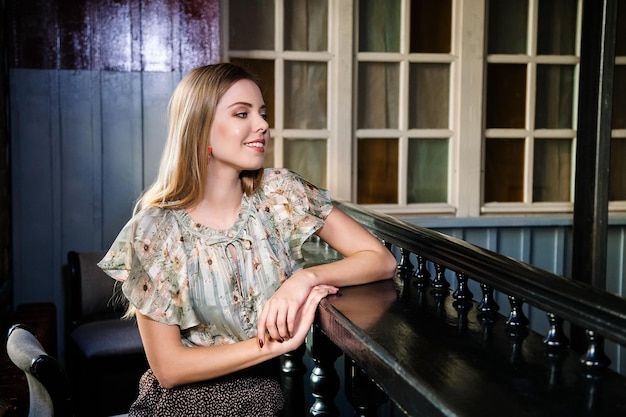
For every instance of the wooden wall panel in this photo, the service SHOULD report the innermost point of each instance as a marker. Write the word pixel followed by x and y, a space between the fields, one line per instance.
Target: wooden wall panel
pixel 81 168
pixel 32 34
pixel 122 145
pixel 78 166
pixel 118 47
pixel 89 85
pixel 35 184
pixel 113 35
pixel 157 89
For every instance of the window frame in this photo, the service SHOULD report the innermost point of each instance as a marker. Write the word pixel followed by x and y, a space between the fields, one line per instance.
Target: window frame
pixel 467 134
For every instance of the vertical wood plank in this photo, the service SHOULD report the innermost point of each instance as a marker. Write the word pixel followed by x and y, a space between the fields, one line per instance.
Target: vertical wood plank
pixel 122 166
pixel 34 119
pixel 159 35
pixel 74 35
pixel 200 34
pixel 32 33
pixel 157 89
pixel 112 34
pixel 81 160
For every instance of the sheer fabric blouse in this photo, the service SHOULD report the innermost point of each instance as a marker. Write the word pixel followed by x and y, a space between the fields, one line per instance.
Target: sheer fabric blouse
pixel 213 283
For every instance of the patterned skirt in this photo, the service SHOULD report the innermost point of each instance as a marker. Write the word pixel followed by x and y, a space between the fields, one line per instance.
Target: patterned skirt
pixel 255 393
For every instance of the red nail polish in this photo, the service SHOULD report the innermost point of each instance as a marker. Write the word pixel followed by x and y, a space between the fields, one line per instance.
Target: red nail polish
pixel 261 343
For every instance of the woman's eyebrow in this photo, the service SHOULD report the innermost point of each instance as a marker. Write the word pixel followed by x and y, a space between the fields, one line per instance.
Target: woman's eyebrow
pixel 243 103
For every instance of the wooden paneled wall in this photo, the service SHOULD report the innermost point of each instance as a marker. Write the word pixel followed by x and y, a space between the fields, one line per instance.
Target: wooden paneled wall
pixel 113 35
pixel 89 83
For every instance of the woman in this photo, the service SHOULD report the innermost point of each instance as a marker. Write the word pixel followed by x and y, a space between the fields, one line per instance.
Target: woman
pixel 211 261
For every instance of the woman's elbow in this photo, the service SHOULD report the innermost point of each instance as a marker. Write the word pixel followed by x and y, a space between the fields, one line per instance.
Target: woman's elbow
pixel 388 264
pixel 168 373
pixel 167 379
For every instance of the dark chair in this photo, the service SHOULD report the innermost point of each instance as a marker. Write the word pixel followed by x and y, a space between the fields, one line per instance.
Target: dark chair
pixel 104 353
pixel 48 386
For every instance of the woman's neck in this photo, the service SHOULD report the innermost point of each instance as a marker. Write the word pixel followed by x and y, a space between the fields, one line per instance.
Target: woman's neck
pixel 220 204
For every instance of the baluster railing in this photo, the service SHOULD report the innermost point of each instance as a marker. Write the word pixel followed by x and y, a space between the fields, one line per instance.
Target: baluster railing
pixel 598 312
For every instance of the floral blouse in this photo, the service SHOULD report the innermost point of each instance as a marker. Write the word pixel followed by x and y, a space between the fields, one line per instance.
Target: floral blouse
pixel 214 283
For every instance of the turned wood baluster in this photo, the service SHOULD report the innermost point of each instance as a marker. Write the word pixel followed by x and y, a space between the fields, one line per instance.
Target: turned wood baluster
pixel 595 358
pixel 462 294
pixel 292 372
pixel 440 283
pixel 324 378
pixel 440 290
pixel 422 274
pixel 362 393
pixel 463 301
pixel 517 321
pixel 488 312
pixel 595 362
pixel 555 338
pixel 517 327
pixel 487 305
pixel 404 270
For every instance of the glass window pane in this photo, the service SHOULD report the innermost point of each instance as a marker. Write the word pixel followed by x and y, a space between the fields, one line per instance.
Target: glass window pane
pixel 379 26
pixel 308 158
pixel 253 29
pixel 427 180
pixel 377 101
pixel 618 116
pixel 431 26
pixel 557 27
pixel 504 170
pixel 429 96
pixel 507 26
pixel 555 97
pixel 506 95
pixel 306 25
pixel 306 86
pixel 377 178
pixel 617 170
pixel 552 170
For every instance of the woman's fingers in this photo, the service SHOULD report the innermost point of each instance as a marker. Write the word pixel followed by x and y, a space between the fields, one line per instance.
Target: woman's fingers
pixel 276 317
pixel 307 313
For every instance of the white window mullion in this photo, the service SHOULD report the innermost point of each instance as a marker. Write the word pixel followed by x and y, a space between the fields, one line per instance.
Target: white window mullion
pixel 342 142
pixel 279 103
pixel 403 105
pixel 531 99
pixel 469 39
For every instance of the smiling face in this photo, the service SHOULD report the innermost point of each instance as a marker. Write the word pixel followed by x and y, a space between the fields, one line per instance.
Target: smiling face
pixel 240 131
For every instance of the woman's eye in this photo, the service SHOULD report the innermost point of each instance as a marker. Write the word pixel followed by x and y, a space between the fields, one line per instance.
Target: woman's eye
pixel 242 114
pixel 264 116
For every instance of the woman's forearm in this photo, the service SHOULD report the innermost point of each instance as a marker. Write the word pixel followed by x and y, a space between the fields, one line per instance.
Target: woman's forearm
pixel 176 364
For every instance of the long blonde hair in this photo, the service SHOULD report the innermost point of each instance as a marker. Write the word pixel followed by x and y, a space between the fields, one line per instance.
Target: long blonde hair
pixel 182 173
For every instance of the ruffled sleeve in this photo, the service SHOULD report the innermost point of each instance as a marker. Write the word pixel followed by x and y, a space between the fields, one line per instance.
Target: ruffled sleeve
pixel 148 257
pixel 298 208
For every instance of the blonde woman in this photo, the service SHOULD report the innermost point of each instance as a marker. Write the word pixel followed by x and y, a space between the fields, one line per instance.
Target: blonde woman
pixel 211 264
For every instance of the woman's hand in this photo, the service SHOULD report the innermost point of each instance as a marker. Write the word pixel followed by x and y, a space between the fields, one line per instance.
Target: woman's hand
pixel 303 319
pixel 279 313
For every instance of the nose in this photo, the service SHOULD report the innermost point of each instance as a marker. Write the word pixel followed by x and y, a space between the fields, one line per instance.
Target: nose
pixel 263 125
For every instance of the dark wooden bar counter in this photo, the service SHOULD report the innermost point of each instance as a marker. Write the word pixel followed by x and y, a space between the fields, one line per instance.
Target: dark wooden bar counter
pixel 434 356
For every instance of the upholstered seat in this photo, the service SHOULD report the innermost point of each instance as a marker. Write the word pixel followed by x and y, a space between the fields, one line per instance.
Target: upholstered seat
pixel 108 337
pixel 105 356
